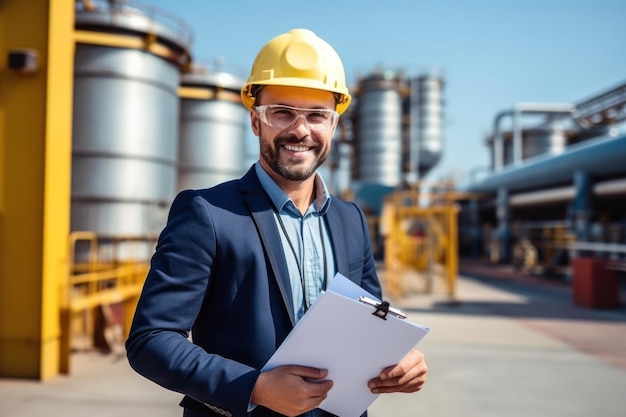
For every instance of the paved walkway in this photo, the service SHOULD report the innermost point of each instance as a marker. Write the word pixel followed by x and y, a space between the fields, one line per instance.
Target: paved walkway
pixel 508 347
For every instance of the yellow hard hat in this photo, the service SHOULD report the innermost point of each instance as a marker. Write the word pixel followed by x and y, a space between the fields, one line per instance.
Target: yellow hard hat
pixel 298 58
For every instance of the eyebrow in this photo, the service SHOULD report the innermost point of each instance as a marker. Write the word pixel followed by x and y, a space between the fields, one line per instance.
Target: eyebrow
pixel 303 108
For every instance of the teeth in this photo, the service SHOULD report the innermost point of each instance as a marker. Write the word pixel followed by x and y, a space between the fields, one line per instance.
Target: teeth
pixel 293 148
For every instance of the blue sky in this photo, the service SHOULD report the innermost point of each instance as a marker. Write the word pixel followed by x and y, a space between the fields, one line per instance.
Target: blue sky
pixel 492 54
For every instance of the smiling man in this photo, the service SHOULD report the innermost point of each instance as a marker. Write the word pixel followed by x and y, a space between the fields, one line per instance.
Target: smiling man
pixel 240 263
pixel 295 132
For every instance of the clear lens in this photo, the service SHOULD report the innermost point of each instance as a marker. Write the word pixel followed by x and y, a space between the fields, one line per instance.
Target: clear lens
pixel 283 117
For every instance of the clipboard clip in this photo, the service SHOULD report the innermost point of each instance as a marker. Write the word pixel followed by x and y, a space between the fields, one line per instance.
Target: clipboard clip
pixel 383 308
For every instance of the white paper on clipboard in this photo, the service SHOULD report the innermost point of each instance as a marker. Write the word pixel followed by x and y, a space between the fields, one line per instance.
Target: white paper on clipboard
pixel 340 333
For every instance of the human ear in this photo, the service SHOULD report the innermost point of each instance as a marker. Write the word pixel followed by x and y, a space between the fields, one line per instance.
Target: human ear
pixel 254 122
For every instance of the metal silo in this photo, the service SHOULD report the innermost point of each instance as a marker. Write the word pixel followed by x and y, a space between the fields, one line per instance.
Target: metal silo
pixel 378 130
pixel 426 123
pixel 538 141
pixel 213 128
pixel 127 71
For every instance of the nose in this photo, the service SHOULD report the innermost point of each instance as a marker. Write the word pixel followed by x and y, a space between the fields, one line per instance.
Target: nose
pixel 300 124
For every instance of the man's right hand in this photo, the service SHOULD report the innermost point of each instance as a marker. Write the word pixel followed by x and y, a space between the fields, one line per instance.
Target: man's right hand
pixel 291 390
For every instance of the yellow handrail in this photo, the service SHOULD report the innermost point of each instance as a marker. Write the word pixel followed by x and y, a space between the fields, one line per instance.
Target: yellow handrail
pixel 94 286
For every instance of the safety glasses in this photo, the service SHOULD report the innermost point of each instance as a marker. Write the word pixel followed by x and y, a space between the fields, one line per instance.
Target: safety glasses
pixel 283 117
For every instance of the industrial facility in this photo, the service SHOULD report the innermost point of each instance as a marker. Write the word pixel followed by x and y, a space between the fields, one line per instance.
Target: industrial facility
pixel 555 189
pixel 115 117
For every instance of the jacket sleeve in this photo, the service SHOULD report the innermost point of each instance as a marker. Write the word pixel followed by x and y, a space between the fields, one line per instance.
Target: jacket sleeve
pixel 158 346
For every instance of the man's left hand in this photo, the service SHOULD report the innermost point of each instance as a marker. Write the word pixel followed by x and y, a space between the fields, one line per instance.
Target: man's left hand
pixel 408 375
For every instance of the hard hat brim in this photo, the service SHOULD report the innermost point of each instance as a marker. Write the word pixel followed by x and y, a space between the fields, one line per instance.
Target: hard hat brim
pixel 248 100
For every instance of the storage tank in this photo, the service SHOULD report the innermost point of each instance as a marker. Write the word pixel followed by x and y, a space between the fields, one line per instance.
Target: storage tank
pixel 213 129
pixel 535 141
pixel 125 129
pixel 426 123
pixel 378 123
pixel 550 138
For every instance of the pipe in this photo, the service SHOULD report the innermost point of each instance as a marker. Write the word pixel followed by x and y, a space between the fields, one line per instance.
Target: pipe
pixel 581 205
pixel 554 195
pixel 517 111
pixel 598 247
pixel 602 156
pixel 533 108
pixel 612 187
pixel 498 141
pixel 503 215
pixel 562 194
pixel 608 107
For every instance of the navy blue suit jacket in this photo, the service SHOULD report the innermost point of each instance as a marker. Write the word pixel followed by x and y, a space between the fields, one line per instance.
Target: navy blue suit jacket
pixel 220 271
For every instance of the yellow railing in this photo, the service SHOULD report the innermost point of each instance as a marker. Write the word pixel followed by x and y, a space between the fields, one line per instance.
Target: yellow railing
pixel 420 240
pixel 99 296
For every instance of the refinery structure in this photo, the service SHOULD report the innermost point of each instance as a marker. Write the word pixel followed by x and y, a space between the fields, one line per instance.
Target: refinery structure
pixel 129 161
pixel 131 119
pixel 555 189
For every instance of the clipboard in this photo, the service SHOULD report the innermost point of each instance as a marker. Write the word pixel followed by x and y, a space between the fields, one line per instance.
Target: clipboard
pixel 353 335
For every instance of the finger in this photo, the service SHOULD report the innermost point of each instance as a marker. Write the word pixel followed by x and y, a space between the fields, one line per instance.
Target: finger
pixel 409 384
pixel 410 380
pixel 408 388
pixel 396 382
pixel 307 372
pixel 320 389
pixel 410 361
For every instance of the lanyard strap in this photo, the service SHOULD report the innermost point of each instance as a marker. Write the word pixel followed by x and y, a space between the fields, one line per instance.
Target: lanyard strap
pixel 297 258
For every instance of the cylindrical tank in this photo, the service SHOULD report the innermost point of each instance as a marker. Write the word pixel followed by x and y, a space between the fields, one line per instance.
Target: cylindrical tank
pixel 213 128
pixel 543 141
pixel 551 140
pixel 426 123
pixel 535 141
pixel 125 131
pixel 343 152
pixel 378 130
pixel 336 169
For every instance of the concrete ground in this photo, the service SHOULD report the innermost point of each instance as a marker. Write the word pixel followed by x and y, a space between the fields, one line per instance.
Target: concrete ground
pixel 512 346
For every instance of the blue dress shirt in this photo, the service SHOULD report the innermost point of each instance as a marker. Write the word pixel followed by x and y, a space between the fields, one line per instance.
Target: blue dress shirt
pixel 311 262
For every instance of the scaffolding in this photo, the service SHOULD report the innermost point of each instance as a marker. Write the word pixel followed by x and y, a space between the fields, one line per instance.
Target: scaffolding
pixel 421 240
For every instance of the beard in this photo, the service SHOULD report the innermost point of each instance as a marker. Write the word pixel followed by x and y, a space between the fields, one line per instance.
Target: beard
pixel 289 168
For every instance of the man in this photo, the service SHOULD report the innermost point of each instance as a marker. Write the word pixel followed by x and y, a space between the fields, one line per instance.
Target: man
pixel 238 264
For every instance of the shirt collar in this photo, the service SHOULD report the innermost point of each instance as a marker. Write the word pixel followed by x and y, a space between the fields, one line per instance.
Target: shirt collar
pixel 279 198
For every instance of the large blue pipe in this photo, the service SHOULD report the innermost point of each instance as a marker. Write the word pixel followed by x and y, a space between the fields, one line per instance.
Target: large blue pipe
pixel 605 156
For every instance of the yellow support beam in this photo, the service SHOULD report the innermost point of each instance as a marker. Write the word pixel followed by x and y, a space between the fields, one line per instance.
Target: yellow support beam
pixel 35 176
pixel 148 43
pixel 202 93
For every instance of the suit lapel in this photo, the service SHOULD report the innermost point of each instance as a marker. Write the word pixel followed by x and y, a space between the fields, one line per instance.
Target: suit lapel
pixel 339 239
pixel 263 216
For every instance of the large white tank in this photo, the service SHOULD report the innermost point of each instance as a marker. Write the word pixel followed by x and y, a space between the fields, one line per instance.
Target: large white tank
pixel 213 128
pixel 125 131
pixel 378 128
pixel 426 123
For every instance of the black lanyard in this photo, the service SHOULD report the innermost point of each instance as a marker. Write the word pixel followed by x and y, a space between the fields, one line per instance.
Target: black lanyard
pixel 297 258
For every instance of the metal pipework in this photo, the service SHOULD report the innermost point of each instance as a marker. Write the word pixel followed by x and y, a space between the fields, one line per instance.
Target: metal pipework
pixel 603 109
pixel 553 195
pixel 516 112
pixel 601 157
pixel 563 194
